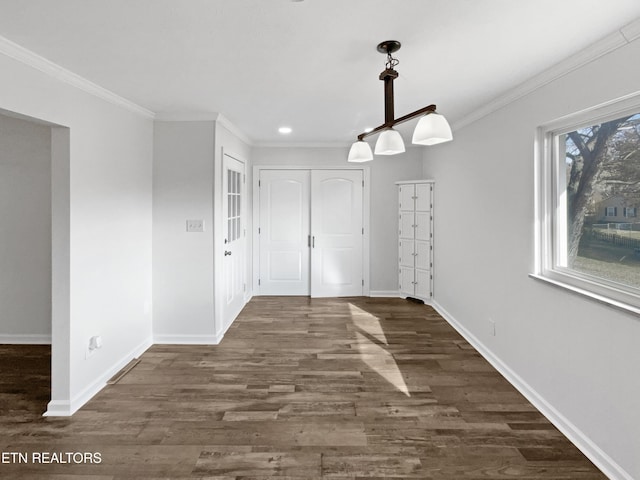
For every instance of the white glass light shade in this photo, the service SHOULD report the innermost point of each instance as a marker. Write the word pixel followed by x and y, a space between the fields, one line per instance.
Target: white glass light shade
pixel 433 128
pixel 389 143
pixel 360 152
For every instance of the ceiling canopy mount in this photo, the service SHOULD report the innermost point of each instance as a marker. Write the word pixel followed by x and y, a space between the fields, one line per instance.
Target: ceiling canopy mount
pixel 389 46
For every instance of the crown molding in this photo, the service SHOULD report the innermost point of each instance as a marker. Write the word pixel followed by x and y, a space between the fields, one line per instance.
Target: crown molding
pixel 302 145
pixel 204 117
pixel 631 31
pixel 27 57
pixel 608 44
pixel 226 123
pixel 187 116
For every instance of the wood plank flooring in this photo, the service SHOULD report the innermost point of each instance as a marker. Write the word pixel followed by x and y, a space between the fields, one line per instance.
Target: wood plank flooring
pixel 299 389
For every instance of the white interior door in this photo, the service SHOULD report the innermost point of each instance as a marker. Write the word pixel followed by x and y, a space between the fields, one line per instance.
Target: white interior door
pixel 233 265
pixel 284 231
pixel 337 233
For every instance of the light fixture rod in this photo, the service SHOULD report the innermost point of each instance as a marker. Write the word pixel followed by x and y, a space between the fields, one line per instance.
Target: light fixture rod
pixel 388 76
pixel 397 121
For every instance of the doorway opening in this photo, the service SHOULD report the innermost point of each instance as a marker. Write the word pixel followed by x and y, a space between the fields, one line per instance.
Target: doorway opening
pixel 34 256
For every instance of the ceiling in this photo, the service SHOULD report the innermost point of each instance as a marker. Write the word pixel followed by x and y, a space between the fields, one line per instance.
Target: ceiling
pixel 311 65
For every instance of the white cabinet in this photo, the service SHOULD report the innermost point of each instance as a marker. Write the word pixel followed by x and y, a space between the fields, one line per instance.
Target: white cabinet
pixel 415 242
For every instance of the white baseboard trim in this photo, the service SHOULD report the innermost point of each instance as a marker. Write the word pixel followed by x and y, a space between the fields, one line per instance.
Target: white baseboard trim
pixel 58 408
pixel 220 335
pixel 594 453
pixel 187 339
pixel 385 293
pixel 62 408
pixel 29 339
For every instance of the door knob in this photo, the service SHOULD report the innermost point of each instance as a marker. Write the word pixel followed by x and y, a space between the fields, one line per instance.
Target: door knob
pixel 227 252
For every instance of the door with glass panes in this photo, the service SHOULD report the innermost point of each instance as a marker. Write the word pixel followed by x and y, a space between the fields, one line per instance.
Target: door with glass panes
pixel 233 263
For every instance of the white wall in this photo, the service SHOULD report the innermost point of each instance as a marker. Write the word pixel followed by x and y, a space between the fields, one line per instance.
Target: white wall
pixel 25 231
pixel 101 209
pixel 384 199
pixel 183 261
pixel 187 185
pixel 576 358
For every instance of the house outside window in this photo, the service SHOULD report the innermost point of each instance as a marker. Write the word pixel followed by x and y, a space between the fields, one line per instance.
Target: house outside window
pixel 588 174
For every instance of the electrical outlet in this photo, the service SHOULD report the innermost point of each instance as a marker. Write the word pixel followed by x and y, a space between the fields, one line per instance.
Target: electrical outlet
pixel 195 225
pixel 95 343
pixel 492 328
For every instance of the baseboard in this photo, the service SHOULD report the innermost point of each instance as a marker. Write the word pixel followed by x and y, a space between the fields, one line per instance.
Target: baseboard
pixel 57 408
pixel 594 453
pixel 11 339
pixel 187 339
pixel 385 293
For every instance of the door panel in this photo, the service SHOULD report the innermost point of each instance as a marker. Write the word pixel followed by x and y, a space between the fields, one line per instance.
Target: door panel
pixel 406 252
pixel 284 232
pixel 423 226
pixel 233 264
pixel 336 229
pixel 406 281
pixel 406 224
pixel 423 255
pixel 406 197
pixel 423 197
pixel 423 283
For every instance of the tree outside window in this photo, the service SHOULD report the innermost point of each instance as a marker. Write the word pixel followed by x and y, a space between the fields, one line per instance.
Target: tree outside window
pixel 602 194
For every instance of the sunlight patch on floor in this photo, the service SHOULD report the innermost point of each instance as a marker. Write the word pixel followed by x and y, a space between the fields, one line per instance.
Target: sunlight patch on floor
pixel 368 323
pixel 370 343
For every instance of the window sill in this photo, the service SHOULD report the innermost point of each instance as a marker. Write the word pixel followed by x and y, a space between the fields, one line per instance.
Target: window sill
pixel 594 296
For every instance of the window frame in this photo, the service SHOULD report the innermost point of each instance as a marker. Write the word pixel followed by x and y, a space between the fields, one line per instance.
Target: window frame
pixel 550 207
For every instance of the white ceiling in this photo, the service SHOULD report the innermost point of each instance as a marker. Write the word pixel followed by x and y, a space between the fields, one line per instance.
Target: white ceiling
pixel 311 64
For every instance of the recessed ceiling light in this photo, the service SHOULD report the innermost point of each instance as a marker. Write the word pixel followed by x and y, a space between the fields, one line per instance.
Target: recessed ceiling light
pixel 285 130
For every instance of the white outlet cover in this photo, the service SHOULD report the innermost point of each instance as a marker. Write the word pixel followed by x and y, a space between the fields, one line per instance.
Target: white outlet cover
pixel 195 225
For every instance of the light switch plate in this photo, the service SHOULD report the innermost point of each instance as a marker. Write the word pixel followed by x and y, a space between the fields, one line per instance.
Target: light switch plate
pixel 195 225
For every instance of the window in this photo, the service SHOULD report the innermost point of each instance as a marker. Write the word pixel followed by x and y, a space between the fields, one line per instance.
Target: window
pixel 588 172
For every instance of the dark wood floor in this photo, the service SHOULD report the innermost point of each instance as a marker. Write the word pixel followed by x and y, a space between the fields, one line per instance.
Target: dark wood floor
pixel 299 389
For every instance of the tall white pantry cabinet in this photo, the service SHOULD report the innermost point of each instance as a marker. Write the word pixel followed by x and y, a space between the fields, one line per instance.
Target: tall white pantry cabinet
pixel 415 242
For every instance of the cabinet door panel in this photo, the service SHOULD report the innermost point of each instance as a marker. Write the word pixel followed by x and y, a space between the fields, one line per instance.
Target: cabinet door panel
pixel 405 199
pixel 423 284
pixel 423 255
pixel 406 253
pixel 423 197
pixel 406 224
pixel 423 226
pixel 406 281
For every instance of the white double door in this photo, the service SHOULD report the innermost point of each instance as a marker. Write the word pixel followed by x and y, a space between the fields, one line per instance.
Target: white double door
pixel 311 232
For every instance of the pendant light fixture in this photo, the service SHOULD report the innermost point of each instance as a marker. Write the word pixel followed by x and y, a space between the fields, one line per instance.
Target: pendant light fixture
pixel 431 129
